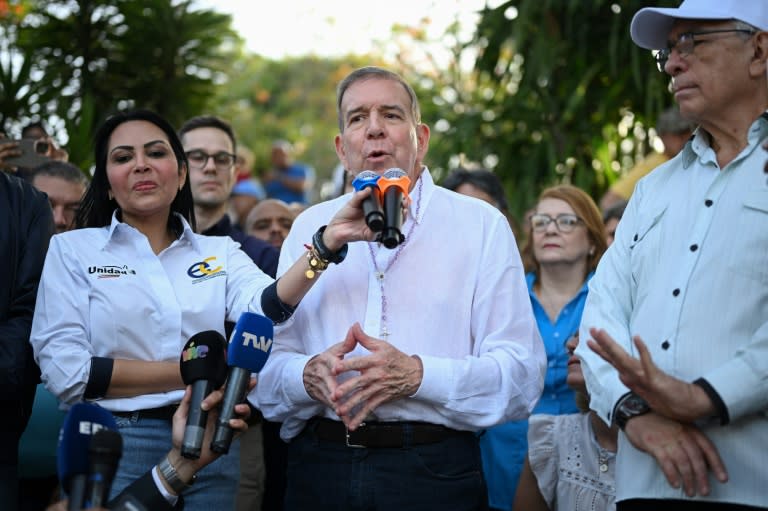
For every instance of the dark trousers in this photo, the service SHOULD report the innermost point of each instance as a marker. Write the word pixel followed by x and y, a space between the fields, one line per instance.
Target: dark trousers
pixel 680 505
pixel 446 475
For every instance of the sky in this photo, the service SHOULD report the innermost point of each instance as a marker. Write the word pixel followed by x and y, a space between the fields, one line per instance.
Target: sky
pixel 276 29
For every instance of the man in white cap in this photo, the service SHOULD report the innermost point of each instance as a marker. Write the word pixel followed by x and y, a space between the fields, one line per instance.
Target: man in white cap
pixel 684 288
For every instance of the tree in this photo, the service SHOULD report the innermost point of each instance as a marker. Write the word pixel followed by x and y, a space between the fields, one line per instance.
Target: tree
pixel 571 91
pixel 92 57
pixel 291 99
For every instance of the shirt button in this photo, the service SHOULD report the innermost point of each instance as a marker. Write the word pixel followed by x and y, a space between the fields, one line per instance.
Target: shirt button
pixel 556 334
pixel 694 247
pixel 708 202
pixel 676 292
pixel 665 345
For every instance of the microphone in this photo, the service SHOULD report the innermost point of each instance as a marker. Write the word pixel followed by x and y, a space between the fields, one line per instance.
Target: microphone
pixel 82 421
pixel 105 451
pixel 374 216
pixel 203 366
pixel 394 186
pixel 249 347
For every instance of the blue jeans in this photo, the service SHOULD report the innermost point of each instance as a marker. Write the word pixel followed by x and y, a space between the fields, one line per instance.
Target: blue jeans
pixel 328 476
pixel 147 441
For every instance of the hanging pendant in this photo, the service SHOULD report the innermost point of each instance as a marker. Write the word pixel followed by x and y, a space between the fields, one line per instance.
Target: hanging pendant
pixel 310 274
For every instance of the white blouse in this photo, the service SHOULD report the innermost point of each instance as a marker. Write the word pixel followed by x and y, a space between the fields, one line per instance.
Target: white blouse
pixel 574 473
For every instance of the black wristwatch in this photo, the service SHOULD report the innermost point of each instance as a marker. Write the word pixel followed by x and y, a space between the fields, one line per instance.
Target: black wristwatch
pixel 631 405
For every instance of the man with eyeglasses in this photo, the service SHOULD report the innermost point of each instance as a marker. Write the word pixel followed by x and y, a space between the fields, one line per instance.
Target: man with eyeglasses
pixel 683 289
pixel 209 143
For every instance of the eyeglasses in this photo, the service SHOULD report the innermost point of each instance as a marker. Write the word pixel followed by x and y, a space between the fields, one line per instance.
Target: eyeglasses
pixel 199 159
pixel 565 222
pixel 686 42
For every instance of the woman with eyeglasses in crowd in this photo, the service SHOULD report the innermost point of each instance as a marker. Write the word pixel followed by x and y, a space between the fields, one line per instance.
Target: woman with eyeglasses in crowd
pixel 565 242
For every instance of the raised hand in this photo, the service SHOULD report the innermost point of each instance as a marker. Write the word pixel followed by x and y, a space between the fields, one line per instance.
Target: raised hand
pixel 349 223
pixel 666 395
pixel 684 454
pixel 385 375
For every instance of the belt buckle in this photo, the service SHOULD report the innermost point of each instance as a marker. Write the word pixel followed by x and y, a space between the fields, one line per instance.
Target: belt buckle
pixel 346 438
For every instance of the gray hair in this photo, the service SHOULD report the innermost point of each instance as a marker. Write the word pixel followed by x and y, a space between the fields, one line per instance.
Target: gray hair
pixel 365 73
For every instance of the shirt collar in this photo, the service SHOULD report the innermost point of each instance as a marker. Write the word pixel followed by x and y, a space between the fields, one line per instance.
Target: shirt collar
pixel 116 228
pixel 530 279
pixel 699 146
pixel 220 228
pixel 427 189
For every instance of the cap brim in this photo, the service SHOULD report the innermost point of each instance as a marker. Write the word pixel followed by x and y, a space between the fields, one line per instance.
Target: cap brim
pixel 651 25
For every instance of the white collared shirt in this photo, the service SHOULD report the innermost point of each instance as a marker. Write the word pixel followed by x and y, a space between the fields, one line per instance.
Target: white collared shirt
pixel 688 272
pixel 456 297
pixel 104 293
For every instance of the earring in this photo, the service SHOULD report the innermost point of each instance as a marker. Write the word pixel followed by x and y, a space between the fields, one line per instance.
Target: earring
pixel 592 251
pixel 109 195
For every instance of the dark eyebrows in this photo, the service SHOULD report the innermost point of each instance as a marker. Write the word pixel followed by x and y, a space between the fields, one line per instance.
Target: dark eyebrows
pixel 130 148
pixel 383 108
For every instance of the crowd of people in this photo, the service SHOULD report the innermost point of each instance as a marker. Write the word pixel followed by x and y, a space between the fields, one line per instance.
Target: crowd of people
pixel 615 360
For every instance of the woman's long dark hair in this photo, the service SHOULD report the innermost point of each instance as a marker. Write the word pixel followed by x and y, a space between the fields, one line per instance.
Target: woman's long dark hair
pixel 96 207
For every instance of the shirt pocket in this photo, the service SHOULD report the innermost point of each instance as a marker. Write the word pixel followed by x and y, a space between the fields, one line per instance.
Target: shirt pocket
pixel 751 234
pixel 646 244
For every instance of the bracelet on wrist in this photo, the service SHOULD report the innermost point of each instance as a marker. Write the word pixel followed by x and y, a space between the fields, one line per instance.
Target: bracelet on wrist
pixel 171 476
pixel 323 252
pixel 316 264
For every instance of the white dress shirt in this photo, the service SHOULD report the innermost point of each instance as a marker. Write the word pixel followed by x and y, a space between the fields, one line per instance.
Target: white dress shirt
pixel 104 293
pixel 455 296
pixel 688 272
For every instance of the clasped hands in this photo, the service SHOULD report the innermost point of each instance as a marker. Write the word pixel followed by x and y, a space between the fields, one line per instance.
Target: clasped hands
pixel 386 374
pixel 667 433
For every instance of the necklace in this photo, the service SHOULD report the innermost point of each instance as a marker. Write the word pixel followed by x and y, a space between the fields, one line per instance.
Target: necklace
pixel 381 273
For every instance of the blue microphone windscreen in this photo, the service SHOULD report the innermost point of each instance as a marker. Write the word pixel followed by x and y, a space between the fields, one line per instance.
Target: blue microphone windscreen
pixel 203 358
pixel 251 342
pixel 365 178
pixel 80 423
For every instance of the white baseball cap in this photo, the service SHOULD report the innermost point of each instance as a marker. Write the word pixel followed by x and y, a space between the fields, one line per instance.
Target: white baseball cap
pixel 651 25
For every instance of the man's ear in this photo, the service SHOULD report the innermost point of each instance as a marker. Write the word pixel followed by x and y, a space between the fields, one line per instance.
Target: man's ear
pixel 759 64
pixel 340 151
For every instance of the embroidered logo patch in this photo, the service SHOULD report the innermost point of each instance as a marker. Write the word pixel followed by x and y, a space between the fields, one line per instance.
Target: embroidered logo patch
pixel 205 269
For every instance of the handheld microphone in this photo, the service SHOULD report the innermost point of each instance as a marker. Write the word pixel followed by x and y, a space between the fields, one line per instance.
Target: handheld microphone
pixel 374 216
pixel 394 186
pixel 202 366
pixel 82 421
pixel 249 347
pixel 105 451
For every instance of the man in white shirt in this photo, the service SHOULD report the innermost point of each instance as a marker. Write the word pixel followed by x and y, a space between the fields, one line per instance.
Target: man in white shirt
pixel 687 275
pixel 397 358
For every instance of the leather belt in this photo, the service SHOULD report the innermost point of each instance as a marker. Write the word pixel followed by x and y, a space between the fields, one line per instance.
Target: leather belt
pixel 381 434
pixel 162 413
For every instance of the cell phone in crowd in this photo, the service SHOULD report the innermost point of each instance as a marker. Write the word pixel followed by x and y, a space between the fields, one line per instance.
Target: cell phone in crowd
pixel 32 153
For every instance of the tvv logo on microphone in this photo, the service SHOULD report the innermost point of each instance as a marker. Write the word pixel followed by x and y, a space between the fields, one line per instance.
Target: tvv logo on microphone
pixel 259 342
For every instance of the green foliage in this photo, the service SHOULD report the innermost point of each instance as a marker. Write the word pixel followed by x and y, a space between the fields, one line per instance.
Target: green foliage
pixel 566 74
pixel 292 99
pixel 88 58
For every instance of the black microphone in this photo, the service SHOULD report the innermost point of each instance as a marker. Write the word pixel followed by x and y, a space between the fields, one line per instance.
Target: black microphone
pixel 82 421
pixel 394 186
pixel 202 366
pixel 249 347
pixel 374 216
pixel 104 455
